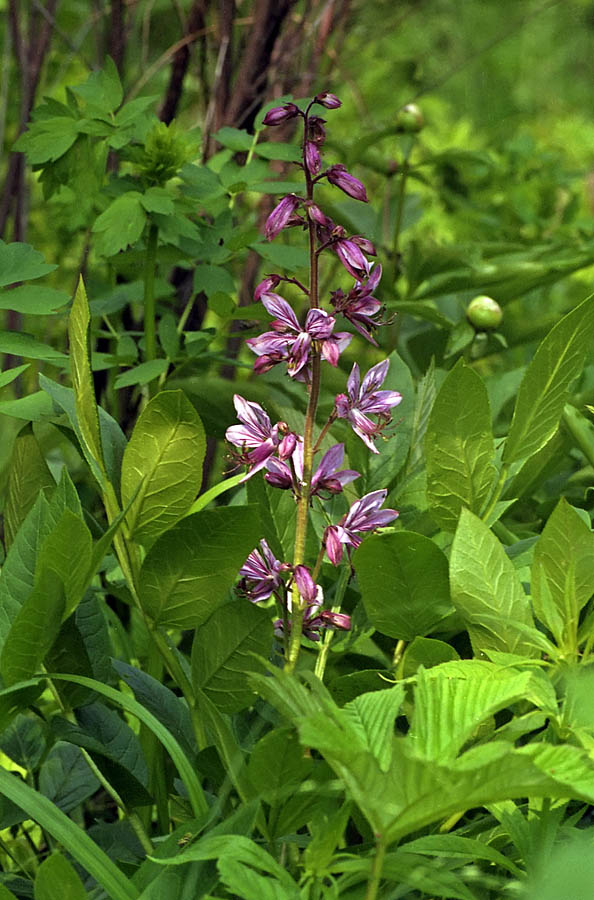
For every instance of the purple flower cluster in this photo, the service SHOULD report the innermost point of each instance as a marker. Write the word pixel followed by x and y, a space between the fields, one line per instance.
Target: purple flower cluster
pixel 300 343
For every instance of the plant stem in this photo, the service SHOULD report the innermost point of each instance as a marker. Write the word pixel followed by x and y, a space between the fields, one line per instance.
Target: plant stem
pixel 497 491
pixel 341 587
pixel 150 325
pixel 376 870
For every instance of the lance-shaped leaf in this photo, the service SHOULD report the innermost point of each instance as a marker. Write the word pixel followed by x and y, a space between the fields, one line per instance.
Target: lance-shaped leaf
pixel 189 570
pixel 404 583
pixel 545 386
pixel 56 879
pixel 486 590
pixel 563 573
pixel 459 447
pixel 79 324
pixel 162 465
pixel 27 476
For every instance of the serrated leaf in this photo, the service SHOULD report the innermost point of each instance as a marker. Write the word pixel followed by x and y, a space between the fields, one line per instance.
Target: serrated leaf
pixel 103 89
pixel 277 765
pixel 46 140
pixel 121 224
pixel 28 475
pixel 223 653
pixel 283 255
pixel 372 715
pixel 79 324
pixel 404 583
pixel 20 262
pixel 162 465
pixel 22 344
pixel 57 880
pixel 189 570
pixel 459 447
pixel 33 299
pixel 213 280
pixel 486 590
pixel 563 573
pixel 158 200
pixel 545 386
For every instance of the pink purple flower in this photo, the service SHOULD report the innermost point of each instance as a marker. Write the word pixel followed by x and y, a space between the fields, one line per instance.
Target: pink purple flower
pixel 359 306
pixel 364 399
pixel 314 618
pixel 282 215
pixel 328 477
pixel 279 114
pixel 363 516
pixel 291 342
pixel 342 179
pixel 313 160
pixel 330 101
pixel 261 574
pixel 256 438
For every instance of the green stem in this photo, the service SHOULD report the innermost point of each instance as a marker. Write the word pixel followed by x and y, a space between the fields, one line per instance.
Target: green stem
pixel 376 870
pixel 150 324
pixel 341 587
pixel 580 431
pixel 398 651
pixel 497 491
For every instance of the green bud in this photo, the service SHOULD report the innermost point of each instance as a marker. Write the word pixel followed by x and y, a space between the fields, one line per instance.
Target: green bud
pixel 484 313
pixel 165 151
pixel 410 118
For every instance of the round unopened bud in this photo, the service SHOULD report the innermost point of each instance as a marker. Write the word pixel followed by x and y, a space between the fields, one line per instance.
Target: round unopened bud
pixel 484 313
pixel 409 118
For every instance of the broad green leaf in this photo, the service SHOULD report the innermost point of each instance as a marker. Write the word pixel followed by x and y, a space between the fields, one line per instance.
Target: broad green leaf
pixel 213 280
pixel 277 765
pixel 425 398
pixel 283 255
pixel 65 777
pixel 5 894
pixel 57 880
pixel 426 652
pixel 33 408
pixel 47 139
pixel 189 570
pixel 9 376
pixel 278 150
pixel 79 324
pixel 159 200
pixel 459 447
pixel 545 386
pixel 28 475
pixel 223 653
pixel 121 224
pixel 453 845
pixel 20 262
pixel 102 90
pixel 233 138
pixel 33 299
pixel 142 373
pixel 404 583
pixel 448 710
pixel 563 573
pixel 113 440
pixel 25 741
pixel 21 344
pixel 114 747
pixel 427 877
pixel 70 836
pixel 486 590
pixel 34 629
pixel 170 710
pixel 372 716
pixel 162 465
pixel 67 551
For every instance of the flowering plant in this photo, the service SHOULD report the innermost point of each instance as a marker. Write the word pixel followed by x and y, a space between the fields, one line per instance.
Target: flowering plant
pixel 302 345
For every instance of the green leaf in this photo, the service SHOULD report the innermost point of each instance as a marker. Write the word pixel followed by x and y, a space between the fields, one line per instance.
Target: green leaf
pixel 277 766
pixel 404 583
pixel 33 408
pixel 102 90
pixel 65 777
pixel 449 709
pixel 189 570
pixel 456 846
pixel 28 475
pixel 282 255
pixel 223 653
pixel 34 629
pixel 121 224
pixel 70 836
pixel 426 652
pixel 46 140
pixel 545 386
pixel 5 894
pixel 57 880
pixel 234 138
pixel 25 741
pixel 21 344
pixel 9 375
pixel 563 573
pixel 20 262
pixel 143 373
pixel 486 590
pixel 79 325
pixel 159 200
pixel 162 465
pixel 33 299
pixel 459 447
pixel 278 150
pixel 372 716
pixel 213 280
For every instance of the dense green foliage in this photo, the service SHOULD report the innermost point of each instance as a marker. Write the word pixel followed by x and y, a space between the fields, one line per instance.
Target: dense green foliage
pixel 160 735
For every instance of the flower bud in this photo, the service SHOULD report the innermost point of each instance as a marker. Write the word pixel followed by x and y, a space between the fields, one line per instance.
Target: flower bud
pixel 316 131
pixel 265 286
pixel 351 186
pixel 313 160
pixel 336 620
pixel 484 313
pixel 287 446
pixel 333 545
pixel 280 114
pixel 305 584
pixel 315 213
pixel 364 244
pixel 280 216
pixel 409 119
pixel 330 101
